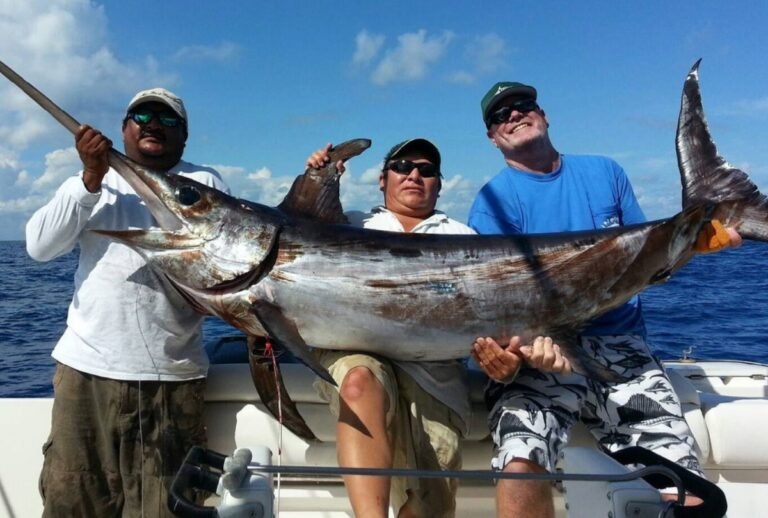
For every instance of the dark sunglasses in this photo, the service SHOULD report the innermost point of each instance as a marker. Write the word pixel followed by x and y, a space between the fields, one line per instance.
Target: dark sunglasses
pixel 168 119
pixel 502 114
pixel 426 169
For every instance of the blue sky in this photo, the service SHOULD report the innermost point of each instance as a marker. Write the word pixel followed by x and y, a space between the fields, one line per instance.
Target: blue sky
pixel 266 83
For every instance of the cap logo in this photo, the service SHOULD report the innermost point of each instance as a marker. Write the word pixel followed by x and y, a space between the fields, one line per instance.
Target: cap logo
pixel 500 89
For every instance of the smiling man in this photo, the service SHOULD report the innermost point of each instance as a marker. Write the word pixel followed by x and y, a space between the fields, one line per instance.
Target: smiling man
pixel 130 374
pixel 541 190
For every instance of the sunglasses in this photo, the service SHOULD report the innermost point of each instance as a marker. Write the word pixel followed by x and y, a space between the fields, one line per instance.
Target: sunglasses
pixel 502 114
pixel 426 169
pixel 168 119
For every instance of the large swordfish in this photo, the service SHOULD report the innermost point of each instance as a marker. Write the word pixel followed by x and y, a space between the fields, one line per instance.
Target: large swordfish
pixel 279 272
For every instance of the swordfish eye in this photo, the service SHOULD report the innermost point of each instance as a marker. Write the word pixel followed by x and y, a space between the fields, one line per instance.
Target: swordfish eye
pixel 187 195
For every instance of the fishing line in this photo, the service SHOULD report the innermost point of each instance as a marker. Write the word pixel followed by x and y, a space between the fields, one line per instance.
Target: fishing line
pixel 270 352
pixel 157 373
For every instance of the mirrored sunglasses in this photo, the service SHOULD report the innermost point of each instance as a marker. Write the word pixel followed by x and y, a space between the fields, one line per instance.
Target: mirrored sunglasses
pixel 426 169
pixel 502 114
pixel 168 119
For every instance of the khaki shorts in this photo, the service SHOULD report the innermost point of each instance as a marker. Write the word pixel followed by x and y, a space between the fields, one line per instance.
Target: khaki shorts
pixel 102 460
pixel 424 432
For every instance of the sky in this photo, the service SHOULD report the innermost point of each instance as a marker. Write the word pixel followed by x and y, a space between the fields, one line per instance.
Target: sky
pixel 266 83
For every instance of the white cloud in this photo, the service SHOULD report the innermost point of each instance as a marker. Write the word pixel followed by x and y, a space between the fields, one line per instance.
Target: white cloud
pixel 23 179
pixel 59 165
pixel 462 77
pixel 487 53
pixel 371 175
pixel 23 205
pixel 267 189
pixel 409 61
pixel 260 175
pixel 228 171
pixel 415 53
pixel 224 51
pixel 367 46
pixel 8 160
pixel 361 192
pixel 61 47
pixel 751 107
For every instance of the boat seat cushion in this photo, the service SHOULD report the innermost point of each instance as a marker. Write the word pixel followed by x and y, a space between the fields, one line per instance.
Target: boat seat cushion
pixel 691 404
pixel 737 428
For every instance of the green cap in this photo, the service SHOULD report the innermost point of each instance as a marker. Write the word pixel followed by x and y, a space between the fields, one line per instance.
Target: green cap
pixel 501 91
pixel 417 145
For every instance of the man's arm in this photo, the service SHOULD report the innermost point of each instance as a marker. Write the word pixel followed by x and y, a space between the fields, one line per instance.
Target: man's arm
pixel 631 213
pixel 53 229
pixel 489 213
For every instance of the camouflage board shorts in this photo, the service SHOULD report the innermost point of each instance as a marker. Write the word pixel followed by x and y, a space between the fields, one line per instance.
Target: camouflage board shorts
pixel 531 418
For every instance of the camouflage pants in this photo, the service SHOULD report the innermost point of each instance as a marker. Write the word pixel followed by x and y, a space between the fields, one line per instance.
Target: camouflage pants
pixel 531 418
pixel 115 446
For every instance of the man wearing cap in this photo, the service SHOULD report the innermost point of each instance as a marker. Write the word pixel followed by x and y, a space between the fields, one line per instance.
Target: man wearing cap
pixel 130 374
pixel 540 190
pixel 401 414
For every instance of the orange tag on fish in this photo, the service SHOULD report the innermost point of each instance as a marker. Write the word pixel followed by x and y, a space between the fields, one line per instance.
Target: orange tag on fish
pixel 712 238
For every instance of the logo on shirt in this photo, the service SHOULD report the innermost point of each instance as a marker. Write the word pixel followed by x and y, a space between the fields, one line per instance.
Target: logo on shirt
pixel 611 221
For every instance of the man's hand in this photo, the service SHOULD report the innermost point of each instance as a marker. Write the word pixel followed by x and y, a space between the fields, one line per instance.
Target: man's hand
pixel 500 364
pixel 503 364
pixel 714 237
pixel 320 159
pixel 546 356
pixel 92 147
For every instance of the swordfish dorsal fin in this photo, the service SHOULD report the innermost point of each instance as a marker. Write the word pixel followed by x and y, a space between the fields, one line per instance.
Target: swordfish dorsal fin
pixel 315 194
pixel 708 178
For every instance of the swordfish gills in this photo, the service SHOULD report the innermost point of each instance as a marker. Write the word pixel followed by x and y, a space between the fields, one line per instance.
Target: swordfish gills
pixel 282 273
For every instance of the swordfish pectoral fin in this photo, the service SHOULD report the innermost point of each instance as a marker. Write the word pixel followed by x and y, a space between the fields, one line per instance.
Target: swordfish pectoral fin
pixel 283 331
pixel 268 380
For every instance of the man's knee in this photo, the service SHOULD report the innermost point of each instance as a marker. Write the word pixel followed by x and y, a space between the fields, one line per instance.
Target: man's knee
pixel 523 466
pixel 360 384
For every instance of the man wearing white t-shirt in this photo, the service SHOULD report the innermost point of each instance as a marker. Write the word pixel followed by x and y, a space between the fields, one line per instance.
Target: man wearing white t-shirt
pixel 130 374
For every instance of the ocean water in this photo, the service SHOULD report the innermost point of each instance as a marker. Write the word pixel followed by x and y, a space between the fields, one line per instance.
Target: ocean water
pixel 717 304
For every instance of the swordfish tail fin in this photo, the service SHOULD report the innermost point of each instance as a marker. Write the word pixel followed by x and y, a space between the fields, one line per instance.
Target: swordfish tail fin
pixel 708 178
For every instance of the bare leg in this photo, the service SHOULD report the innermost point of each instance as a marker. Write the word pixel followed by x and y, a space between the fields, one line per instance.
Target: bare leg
pixel 362 442
pixel 524 498
pixel 690 500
